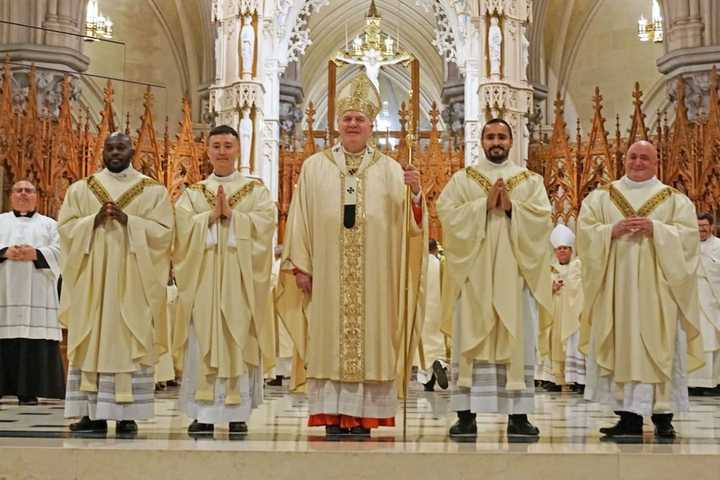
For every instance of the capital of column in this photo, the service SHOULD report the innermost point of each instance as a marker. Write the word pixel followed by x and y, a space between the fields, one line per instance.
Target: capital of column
pixel 693 65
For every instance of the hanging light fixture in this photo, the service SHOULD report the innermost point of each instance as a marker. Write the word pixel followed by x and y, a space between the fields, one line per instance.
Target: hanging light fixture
pixel 97 26
pixel 651 29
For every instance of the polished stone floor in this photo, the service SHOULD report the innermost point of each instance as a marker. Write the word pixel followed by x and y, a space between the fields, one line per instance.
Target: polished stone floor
pixel 569 441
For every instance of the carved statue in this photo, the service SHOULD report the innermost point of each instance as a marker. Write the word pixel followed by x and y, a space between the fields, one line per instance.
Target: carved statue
pixel 247 40
pixel 525 56
pixel 246 136
pixel 495 47
pixel 220 53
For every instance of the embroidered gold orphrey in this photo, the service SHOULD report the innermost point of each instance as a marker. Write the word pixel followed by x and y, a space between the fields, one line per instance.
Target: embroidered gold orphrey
pixel 352 283
pixel 131 194
pixel 647 208
pixel 234 199
pixel 486 185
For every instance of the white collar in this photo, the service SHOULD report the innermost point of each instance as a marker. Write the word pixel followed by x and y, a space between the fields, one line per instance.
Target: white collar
pixel 122 175
pixel 632 184
pixel 488 164
pixel 226 179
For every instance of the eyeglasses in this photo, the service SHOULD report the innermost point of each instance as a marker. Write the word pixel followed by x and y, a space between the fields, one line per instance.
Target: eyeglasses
pixel 23 190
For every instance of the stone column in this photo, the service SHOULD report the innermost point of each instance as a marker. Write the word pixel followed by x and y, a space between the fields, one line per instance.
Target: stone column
pixel 692 47
pixel 236 97
pixel 55 48
pixel 504 90
pixel 291 99
pixel 453 97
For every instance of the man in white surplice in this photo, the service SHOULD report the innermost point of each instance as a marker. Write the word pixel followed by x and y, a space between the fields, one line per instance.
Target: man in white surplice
pixel 30 364
pixel 434 362
pixel 708 377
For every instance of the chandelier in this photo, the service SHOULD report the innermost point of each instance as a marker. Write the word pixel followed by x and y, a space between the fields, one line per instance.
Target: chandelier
pixel 97 26
pixel 373 42
pixel 651 29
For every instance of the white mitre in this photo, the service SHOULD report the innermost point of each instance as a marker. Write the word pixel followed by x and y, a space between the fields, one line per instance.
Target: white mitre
pixel 562 236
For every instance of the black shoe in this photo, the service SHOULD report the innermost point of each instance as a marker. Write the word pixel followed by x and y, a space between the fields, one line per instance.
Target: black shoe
pixel 520 425
pixel 27 401
pixel 237 427
pixel 695 391
pixel 126 427
pixel 331 430
pixel 360 431
pixel 85 425
pixel 197 428
pixel 579 388
pixel 440 373
pixel 465 424
pixel 663 425
pixel 552 387
pixel 629 425
pixel 430 385
pixel 276 382
pixel 171 384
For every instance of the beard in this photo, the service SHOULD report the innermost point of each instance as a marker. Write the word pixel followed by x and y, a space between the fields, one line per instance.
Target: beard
pixel 496 154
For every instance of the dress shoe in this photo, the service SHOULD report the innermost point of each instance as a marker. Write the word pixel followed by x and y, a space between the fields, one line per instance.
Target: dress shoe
pixel 629 425
pixel 275 382
pixel 336 430
pixel 27 401
pixel 465 424
pixel 430 385
pixel 360 431
pixel 85 425
pixel 126 427
pixel 197 428
pixel 440 373
pixel 238 427
pixel 519 425
pixel 696 391
pixel 663 425
pixel 552 387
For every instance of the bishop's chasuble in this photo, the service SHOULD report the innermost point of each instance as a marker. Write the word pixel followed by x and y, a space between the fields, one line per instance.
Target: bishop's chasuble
pixel 347 227
pixel 495 261
pixel 114 293
pixel 641 297
pixel 225 322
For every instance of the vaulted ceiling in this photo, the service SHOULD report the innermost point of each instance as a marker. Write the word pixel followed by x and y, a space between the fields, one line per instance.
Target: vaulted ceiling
pixel 416 30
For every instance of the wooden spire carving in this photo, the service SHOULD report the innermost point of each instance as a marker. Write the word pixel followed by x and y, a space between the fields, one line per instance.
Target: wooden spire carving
pixel 147 158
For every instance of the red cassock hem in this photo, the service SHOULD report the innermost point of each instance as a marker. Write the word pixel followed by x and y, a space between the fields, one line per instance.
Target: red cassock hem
pixel 346 421
pixel 417 213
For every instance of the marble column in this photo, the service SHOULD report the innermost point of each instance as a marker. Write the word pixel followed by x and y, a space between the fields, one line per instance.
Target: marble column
pixel 291 99
pixel 692 47
pixel 504 90
pixel 54 46
pixel 236 97
pixel 453 97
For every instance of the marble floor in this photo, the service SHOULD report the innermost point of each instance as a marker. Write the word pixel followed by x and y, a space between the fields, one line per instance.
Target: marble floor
pixel 35 443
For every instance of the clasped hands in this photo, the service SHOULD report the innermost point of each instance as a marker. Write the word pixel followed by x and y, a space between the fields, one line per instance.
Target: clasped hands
pixel 633 226
pixel 110 211
pixel 498 197
pixel 222 210
pixel 21 253
pixel 557 285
